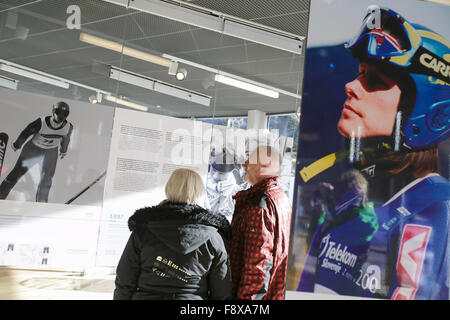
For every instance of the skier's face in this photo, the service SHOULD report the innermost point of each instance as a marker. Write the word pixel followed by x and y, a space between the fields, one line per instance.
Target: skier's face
pixel 371 105
pixel 58 117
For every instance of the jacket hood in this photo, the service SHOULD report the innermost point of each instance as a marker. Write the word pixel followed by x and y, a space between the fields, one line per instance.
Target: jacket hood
pixel 182 227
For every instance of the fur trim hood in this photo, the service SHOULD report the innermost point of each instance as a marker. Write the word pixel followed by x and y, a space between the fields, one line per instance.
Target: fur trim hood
pixel 183 227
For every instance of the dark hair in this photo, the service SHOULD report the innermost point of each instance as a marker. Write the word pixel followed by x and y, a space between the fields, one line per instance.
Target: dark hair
pixel 416 163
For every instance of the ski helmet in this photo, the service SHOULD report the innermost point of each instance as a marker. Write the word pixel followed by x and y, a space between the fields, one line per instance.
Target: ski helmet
pixel 224 161
pixel 61 109
pixel 424 56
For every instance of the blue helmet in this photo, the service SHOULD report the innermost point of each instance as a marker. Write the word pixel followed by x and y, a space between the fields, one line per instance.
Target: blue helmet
pixel 423 55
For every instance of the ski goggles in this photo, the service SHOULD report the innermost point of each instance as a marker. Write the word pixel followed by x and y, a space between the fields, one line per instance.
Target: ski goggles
pixel 61 113
pixel 388 36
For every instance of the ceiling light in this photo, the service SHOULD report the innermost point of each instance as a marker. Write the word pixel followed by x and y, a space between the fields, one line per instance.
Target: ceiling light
pixel 126 103
pixel 190 63
pixel 99 97
pixel 8 83
pixel 173 68
pixel 181 93
pixel 130 78
pixel 118 47
pixel 181 74
pixel 94 99
pixel 246 86
pixel 217 71
pixel 49 78
pixel 35 75
pixel 159 86
pixel 182 11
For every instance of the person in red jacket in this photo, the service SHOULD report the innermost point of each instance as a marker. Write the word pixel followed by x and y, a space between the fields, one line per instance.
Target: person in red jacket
pixel 260 230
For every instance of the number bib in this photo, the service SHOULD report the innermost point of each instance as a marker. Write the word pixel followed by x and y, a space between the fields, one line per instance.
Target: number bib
pixel 49 137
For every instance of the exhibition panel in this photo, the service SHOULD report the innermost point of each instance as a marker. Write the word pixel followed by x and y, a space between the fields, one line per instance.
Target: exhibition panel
pixel 372 193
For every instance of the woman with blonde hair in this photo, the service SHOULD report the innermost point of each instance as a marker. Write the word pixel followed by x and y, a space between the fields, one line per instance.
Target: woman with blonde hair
pixel 176 249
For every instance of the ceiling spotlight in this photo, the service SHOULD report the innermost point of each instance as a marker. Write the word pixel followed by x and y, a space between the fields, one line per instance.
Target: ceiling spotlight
pixel 99 97
pixel 173 68
pixel 181 74
pixel 94 99
pixel 159 86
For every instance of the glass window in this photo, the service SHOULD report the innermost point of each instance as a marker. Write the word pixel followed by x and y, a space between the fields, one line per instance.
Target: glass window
pixel 238 122
pixel 97 97
pixel 287 125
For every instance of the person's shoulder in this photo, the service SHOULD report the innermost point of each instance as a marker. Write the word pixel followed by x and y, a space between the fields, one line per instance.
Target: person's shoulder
pixel 438 179
pixel 260 200
pixel 276 193
pixel 436 185
pixel 38 121
pixel 217 243
pixel 216 239
pixel 432 194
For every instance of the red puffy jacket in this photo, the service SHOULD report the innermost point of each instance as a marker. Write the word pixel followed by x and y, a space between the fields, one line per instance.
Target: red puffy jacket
pixel 260 241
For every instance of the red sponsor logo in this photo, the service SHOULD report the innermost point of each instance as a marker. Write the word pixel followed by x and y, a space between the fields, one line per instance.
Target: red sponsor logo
pixel 404 293
pixel 379 40
pixel 411 256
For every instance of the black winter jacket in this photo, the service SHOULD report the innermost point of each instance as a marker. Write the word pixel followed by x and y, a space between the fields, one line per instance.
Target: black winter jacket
pixel 175 251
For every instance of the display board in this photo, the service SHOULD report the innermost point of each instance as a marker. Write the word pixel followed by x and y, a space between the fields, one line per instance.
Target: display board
pixel 48 235
pixel 41 174
pixel 372 193
pixel 107 165
pixel 145 150
pixel 49 199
